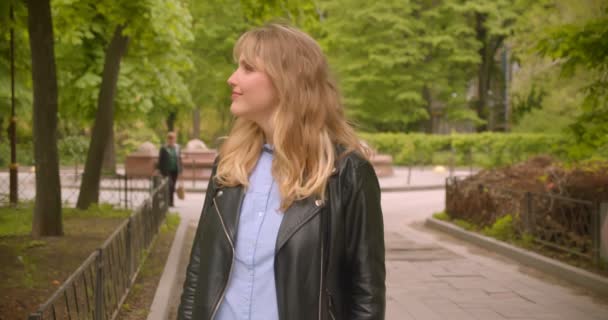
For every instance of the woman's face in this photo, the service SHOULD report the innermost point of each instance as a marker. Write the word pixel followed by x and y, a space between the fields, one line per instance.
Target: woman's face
pixel 253 95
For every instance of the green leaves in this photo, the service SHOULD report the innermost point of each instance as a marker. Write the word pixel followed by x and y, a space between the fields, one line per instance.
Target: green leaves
pixel 585 46
pixel 397 59
pixel 152 73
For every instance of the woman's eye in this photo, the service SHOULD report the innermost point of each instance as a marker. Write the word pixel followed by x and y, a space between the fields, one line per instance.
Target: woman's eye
pixel 247 67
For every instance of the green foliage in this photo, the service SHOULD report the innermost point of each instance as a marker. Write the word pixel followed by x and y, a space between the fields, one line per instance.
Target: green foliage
pixel 211 51
pixel 571 39
pixel 400 60
pixel 443 216
pixel 399 64
pixel 25 154
pixel 16 221
pixel 151 79
pixel 171 222
pixel 502 229
pixel 464 224
pixel 526 241
pixel 213 64
pixel 542 100
pixel 129 136
pixel 485 149
pixel 72 149
pixel 585 46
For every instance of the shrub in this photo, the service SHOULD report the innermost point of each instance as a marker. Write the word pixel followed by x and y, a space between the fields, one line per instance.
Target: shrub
pixel 502 229
pixel 441 216
pixel 485 150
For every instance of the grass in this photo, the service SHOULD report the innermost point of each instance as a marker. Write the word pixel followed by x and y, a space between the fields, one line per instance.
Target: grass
pixel 137 303
pixel 503 229
pixel 18 221
pixel 32 269
pixel 441 216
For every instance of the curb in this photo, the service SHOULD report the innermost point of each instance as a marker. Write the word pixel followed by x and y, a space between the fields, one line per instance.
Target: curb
pixel 413 188
pixel 203 190
pixel 159 309
pixel 586 279
pixel 382 189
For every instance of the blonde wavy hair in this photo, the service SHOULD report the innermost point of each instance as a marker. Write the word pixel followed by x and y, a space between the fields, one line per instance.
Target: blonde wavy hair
pixel 309 120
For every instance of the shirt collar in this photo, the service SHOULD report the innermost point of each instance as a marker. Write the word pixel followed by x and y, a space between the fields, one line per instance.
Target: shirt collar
pixel 268 148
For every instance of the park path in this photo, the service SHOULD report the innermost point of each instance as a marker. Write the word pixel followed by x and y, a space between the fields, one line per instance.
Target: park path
pixel 433 276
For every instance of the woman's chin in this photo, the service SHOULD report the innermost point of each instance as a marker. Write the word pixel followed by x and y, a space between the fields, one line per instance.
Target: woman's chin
pixel 235 110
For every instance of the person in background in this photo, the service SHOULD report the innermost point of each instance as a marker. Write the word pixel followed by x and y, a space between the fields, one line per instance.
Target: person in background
pixel 170 163
pixel 291 226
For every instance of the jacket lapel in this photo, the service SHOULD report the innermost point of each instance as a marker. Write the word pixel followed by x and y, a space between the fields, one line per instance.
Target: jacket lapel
pixel 228 201
pixel 297 215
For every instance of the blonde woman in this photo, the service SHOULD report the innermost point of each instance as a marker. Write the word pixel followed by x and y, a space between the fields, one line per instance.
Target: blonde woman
pixel 291 227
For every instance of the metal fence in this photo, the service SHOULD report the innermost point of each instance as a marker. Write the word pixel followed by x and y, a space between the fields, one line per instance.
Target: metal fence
pixel 116 189
pixel 97 289
pixel 562 223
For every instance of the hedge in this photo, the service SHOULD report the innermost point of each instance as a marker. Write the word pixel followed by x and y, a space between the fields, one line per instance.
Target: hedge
pixel 485 150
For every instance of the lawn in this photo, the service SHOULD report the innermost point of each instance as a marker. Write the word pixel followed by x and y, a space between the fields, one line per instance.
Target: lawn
pixel 32 269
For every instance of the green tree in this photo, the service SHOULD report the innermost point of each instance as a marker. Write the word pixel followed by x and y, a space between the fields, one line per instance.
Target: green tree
pixel 151 76
pixel 211 50
pixel 399 62
pixel 585 46
pixel 542 100
pixel 374 49
pixel 493 23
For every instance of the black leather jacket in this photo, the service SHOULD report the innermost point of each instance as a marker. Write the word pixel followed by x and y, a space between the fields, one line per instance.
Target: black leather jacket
pixel 329 261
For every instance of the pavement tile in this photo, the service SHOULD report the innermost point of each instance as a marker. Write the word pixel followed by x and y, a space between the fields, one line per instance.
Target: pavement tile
pixel 464 295
pixel 418 310
pixel 483 314
pixel 446 308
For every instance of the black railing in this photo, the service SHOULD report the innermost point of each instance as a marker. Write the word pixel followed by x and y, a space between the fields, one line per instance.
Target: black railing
pixel 116 189
pixel 97 289
pixel 562 223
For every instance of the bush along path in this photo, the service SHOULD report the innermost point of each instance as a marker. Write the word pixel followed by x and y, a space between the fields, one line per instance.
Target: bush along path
pixel 540 205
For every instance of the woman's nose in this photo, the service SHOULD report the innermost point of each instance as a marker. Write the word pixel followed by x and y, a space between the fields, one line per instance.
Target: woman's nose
pixel 232 79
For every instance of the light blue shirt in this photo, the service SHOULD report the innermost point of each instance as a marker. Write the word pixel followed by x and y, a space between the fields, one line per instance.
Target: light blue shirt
pixel 251 292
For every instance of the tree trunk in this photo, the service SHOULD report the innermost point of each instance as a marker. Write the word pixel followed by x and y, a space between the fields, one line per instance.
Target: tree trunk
pixel 47 207
pixel 485 73
pixel 104 120
pixel 483 77
pixel 196 123
pixel 109 156
pixel 171 121
pixel 426 95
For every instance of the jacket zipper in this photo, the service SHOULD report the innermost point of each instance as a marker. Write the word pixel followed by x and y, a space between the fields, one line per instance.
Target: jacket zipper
pixel 331 305
pixel 321 277
pixel 217 306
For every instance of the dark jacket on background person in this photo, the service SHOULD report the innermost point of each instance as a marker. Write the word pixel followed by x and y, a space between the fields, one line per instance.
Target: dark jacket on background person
pixel 329 256
pixel 163 160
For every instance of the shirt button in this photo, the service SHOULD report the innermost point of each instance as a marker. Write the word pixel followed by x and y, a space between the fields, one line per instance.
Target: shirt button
pixel 260 214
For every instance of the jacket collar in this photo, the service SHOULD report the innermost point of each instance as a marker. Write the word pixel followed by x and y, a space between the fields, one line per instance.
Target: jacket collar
pixel 230 199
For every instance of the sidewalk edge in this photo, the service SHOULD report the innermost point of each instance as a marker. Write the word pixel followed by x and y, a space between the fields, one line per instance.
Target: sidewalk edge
pixel 586 279
pixel 159 309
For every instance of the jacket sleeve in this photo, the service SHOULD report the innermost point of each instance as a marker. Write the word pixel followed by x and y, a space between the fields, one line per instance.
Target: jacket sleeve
pixel 364 245
pixel 186 306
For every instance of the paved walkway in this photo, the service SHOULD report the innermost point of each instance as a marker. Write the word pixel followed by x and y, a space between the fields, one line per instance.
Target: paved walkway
pixel 433 276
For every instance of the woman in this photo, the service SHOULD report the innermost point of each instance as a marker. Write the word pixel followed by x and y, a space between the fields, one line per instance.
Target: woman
pixel 291 227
